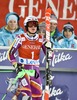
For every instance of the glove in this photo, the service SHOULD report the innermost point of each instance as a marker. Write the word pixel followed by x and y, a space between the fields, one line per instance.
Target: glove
pixel 36 74
pixel 50 54
pixel 48 45
pixel 18 67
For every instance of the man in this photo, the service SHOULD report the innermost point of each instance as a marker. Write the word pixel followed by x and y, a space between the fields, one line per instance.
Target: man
pixel 10 30
pixel 68 38
pixel 28 45
pixel 54 32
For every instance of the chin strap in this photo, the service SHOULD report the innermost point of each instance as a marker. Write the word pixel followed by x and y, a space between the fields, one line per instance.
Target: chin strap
pixel 31 32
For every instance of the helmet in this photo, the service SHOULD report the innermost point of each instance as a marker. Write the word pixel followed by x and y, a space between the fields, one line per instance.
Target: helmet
pixel 30 18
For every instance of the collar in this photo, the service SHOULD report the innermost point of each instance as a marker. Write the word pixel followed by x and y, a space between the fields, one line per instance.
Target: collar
pixel 52 33
pixel 35 37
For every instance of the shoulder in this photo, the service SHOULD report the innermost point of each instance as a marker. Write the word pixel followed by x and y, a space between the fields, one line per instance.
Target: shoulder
pixel 59 38
pixel 41 37
pixel 19 30
pixel 1 31
pixel 58 32
pixel 5 30
pixel 21 35
pixel 75 37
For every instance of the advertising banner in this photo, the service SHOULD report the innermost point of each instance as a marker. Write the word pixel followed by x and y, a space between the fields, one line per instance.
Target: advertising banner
pixel 63 85
pixel 61 59
pixel 65 10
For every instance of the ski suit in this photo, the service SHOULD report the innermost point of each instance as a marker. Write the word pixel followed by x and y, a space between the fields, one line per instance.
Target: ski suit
pixel 28 54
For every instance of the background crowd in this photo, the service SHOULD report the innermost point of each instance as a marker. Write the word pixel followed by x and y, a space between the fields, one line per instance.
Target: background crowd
pixel 64 39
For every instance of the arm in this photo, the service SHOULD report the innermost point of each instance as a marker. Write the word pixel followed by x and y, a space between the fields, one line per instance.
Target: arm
pixel 48 45
pixel 13 48
pixel 1 40
pixel 44 48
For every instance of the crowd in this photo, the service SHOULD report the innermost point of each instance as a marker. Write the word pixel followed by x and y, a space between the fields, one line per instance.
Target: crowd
pixel 64 39
pixel 29 44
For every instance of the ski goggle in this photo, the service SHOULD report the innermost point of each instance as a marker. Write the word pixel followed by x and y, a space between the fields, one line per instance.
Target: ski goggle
pixel 32 23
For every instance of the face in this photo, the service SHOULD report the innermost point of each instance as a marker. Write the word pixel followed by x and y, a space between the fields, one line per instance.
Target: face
pixel 12 25
pixel 53 26
pixel 32 26
pixel 67 34
pixel 42 29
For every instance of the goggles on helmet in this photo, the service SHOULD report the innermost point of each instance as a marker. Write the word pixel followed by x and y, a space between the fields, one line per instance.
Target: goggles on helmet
pixel 32 23
pixel 29 19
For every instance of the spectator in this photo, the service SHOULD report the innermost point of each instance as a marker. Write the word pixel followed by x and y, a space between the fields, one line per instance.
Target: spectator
pixel 54 32
pixel 10 30
pixel 68 38
pixel 42 28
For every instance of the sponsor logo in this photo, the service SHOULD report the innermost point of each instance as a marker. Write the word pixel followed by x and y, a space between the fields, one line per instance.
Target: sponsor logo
pixel 55 92
pixel 29 61
pixel 60 57
pixel 31 47
pixel 3 56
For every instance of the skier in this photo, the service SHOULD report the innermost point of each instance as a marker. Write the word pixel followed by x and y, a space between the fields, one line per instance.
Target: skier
pixel 28 45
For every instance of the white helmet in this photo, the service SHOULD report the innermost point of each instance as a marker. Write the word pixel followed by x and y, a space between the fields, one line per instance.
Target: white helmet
pixel 30 18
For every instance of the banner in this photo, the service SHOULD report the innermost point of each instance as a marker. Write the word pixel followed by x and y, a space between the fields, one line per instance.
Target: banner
pixel 64 85
pixel 65 10
pixel 63 58
pixel 59 92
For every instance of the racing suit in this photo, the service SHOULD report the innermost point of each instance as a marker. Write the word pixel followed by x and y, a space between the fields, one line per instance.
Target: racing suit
pixel 28 54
